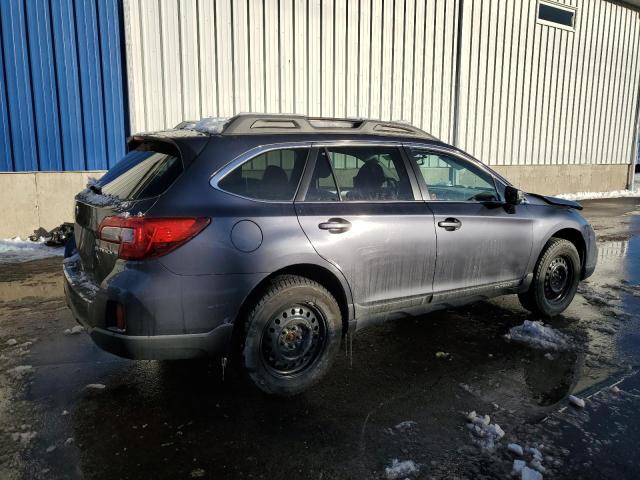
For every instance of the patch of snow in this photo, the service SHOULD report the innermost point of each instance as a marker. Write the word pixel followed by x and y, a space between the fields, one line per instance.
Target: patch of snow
pixel 15 250
pixel 69 441
pixel 51 448
pixel 537 335
pixel 535 453
pixel 615 389
pixel 211 125
pixel 401 469
pixel 64 413
pixel 95 386
pixel 74 330
pixel 537 465
pixel 575 401
pixel 596 195
pixel 19 371
pixel 548 356
pixel 97 199
pixel 518 465
pixel 406 425
pixel 484 433
pixel 23 437
pixel 442 355
pixel 530 474
pixel 198 473
pixel 11 342
pixel 515 448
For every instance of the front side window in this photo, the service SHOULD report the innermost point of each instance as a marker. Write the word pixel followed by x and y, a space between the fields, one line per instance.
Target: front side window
pixel 359 174
pixel 270 176
pixel 452 179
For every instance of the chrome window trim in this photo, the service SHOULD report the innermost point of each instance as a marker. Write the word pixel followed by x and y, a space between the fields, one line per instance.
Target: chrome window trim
pixel 460 156
pixel 250 154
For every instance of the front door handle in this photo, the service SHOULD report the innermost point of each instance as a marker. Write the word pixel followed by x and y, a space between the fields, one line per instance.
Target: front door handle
pixel 335 225
pixel 450 224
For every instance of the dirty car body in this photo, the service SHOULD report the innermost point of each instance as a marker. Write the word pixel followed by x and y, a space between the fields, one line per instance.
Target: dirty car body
pixel 388 220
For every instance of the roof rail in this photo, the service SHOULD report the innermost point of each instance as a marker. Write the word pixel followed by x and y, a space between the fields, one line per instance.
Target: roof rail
pixel 260 124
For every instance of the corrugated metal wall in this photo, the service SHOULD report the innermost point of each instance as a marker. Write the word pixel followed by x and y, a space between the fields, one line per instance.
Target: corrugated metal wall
pixel 534 94
pixel 360 58
pixel 61 85
pixel 529 94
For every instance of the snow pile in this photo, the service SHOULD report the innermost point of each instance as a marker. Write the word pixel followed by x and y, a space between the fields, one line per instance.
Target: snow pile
pixel 74 330
pixel 211 125
pixel 484 433
pixel 23 437
pixel 536 335
pixel 14 250
pixel 406 425
pixel 401 469
pixel 20 371
pixel 576 401
pixel 95 386
pixel 97 199
pixel 595 195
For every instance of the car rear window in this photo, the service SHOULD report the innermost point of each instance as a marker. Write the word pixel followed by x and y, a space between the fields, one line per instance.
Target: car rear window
pixel 145 172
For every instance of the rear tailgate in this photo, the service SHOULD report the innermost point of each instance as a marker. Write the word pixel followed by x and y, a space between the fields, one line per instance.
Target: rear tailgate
pixel 129 188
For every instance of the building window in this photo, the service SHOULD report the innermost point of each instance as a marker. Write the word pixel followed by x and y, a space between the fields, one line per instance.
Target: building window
pixel 556 15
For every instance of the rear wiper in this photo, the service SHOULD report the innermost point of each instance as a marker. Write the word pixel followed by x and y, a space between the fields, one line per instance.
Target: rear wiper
pixel 96 188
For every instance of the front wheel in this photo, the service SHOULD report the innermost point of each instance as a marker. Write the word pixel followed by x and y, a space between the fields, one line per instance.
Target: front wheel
pixel 292 336
pixel 555 279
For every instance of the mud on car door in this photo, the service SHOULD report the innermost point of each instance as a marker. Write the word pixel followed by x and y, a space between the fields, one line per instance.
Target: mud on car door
pixel 358 208
pixel 482 243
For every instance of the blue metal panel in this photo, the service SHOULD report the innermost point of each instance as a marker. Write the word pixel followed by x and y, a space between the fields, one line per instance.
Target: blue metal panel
pixel 43 83
pixel 61 85
pixel 108 13
pixel 91 84
pixel 68 76
pixel 18 83
pixel 6 159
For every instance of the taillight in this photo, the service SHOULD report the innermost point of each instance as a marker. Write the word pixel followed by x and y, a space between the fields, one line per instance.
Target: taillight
pixel 142 237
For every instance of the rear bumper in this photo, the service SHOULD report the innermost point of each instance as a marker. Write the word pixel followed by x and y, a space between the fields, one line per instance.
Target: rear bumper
pixel 159 324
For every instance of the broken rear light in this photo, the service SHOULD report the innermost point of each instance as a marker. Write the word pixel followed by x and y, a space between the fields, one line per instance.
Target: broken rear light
pixel 142 237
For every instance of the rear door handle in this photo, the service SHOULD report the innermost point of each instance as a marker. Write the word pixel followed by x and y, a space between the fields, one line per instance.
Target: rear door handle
pixel 335 225
pixel 450 224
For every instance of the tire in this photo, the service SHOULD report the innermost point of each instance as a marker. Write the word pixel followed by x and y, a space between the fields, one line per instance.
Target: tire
pixel 292 336
pixel 555 279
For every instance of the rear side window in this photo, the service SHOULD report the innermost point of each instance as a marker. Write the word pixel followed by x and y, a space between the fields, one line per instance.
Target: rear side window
pixel 270 176
pixel 145 172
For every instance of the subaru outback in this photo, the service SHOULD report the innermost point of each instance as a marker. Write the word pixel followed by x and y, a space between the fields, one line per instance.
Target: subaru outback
pixel 275 236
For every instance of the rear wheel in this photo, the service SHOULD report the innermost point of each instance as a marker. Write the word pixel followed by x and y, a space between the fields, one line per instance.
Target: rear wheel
pixel 292 336
pixel 555 279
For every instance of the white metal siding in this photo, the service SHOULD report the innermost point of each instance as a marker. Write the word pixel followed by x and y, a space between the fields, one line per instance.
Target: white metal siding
pixel 535 94
pixel 357 58
pixel 528 93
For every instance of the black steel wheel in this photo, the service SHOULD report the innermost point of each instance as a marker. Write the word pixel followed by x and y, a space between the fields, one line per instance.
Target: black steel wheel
pixel 293 339
pixel 292 335
pixel 555 279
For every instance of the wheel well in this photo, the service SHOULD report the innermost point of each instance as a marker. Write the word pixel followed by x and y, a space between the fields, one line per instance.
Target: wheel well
pixel 575 237
pixel 323 276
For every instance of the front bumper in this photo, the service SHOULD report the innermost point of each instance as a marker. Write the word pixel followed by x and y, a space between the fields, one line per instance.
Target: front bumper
pixel 158 330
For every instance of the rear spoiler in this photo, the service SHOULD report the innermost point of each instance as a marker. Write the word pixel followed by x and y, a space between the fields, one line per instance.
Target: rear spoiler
pixel 557 201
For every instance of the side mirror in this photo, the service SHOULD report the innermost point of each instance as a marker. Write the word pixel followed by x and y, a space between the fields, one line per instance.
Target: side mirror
pixel 513 196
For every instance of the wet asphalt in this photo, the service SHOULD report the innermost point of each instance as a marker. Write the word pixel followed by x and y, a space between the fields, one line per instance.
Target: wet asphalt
pixel 181 420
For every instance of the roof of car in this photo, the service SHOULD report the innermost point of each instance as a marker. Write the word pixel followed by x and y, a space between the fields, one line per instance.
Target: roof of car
pixel 273 124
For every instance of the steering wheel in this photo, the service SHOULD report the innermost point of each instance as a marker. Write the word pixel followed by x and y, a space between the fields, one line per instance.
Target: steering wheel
pixel 482 197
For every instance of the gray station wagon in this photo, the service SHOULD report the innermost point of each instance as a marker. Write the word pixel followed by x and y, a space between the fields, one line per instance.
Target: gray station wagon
pixel 268 238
